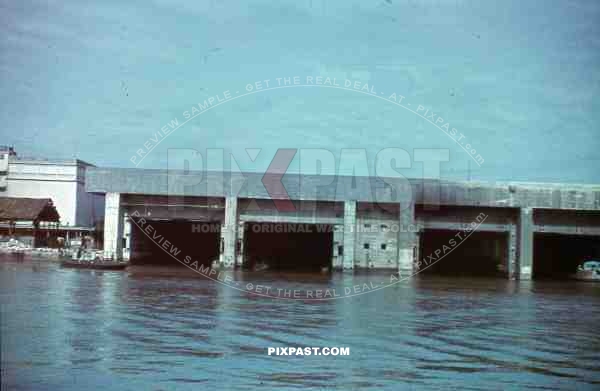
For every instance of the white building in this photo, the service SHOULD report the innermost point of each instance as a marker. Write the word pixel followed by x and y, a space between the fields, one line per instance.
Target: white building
pixel 63 181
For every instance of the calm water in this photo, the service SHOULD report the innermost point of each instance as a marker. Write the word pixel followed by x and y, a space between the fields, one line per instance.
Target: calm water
pixel 145 330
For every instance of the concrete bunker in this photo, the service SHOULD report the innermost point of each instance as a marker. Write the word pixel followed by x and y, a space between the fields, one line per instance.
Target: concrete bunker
pixel 556 256
pixel 481 254
pixel 288 246
pixel 198 240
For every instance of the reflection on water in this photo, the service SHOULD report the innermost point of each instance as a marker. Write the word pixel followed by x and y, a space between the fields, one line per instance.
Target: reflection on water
pixel 160 330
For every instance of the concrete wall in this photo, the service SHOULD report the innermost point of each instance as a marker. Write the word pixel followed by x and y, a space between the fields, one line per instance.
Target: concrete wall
pixel 307 212
pixel 342 188
pixel 89 207
pixel 375 229
pixel 347 203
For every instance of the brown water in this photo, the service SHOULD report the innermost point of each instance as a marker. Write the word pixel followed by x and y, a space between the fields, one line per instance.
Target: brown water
pixel 165 330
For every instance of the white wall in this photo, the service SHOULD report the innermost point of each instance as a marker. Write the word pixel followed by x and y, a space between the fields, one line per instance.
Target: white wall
pixel 63 183
pixel 63 195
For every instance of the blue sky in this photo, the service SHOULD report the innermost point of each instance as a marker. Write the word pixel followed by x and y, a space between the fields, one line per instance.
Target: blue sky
pixel 520 79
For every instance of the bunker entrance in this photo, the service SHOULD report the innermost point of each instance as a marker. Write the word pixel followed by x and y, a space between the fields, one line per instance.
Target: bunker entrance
pixel 481 254
pixel 198 240
pixel 557 256
pixel 289 247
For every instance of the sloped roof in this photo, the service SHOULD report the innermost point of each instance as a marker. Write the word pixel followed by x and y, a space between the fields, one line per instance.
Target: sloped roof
pixel 41 209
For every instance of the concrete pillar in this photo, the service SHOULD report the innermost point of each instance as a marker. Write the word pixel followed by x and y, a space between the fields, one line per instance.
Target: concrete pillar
pixel 337 261
pixel 407 240
pixel 239 262
pixel 513 249
pixel 127 235
pixel 525 244
pixel 113 226
pixel 349 234
pixel 229 233
pixel 35 231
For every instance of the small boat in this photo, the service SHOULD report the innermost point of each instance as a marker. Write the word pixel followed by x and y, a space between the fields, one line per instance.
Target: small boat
pixel 91 259
pixel 588 271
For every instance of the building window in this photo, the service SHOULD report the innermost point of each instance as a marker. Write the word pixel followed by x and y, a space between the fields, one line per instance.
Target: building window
pixel 366 246
pixel 367 225
pixel 340 250
pixel 383 246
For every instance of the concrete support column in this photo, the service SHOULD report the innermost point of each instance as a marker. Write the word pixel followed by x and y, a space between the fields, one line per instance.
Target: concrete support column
pixel 407 240
pixel 239 261
pixel 127 236
pixel 229 233
pixel 525 244
pixel 513 250
pixel 349 234
pixel 337 261
pixel 113 226
pixel 36 226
